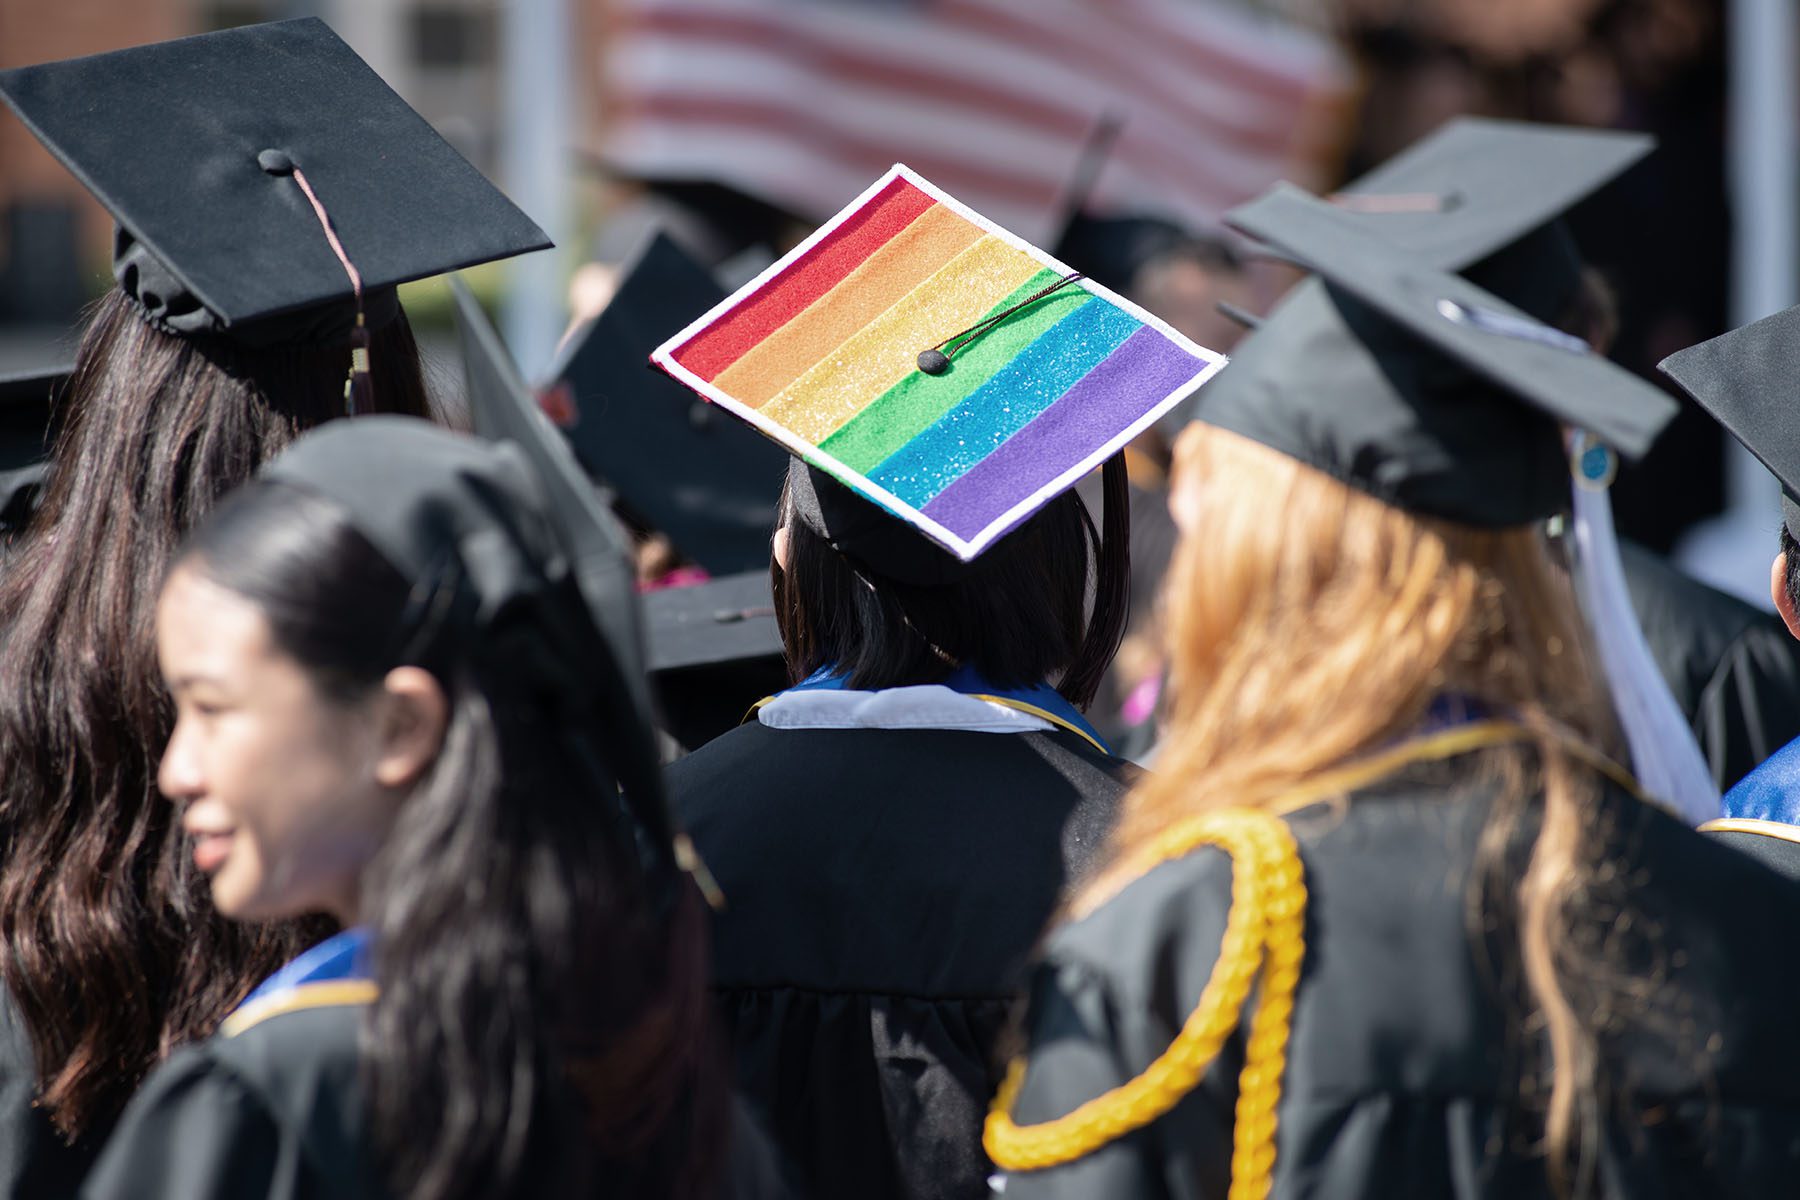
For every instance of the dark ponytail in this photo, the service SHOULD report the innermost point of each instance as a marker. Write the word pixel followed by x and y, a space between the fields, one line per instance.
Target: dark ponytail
pixel 541 1026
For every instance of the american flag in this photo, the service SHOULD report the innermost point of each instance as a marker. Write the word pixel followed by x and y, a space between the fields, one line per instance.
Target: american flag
pixel 803 102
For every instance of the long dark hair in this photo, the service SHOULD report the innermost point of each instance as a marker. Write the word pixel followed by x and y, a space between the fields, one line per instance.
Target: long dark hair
pixel 541 1025
pixel 1021 617
pixel 109 944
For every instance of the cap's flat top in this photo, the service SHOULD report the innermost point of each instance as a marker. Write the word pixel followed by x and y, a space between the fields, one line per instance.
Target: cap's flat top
pixel 1451 317
pixel 1478 185
pixel 168 136
pixel 820 353
pixel 1749 380
pixel 679 464
pixel 724 620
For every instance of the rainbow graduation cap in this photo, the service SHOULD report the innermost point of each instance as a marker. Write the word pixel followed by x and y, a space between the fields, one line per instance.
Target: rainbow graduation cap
pixel 821 353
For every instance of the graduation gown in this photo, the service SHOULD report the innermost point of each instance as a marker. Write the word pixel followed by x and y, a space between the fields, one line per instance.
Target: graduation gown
pixel 883 889
pixel 34 1159
pixel 1403 1075
pixel 1733 668
pixel 272 1108
pixel 1761 815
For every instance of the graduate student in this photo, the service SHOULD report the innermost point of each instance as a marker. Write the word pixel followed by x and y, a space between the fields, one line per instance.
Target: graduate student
pixel 1389 918
pixel 398 704
pixel 270 192
pixel 1745 379
pixel 891 833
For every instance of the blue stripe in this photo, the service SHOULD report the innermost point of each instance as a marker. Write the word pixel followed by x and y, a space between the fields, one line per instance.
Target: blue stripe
pixel 1036 377
pixel 345 956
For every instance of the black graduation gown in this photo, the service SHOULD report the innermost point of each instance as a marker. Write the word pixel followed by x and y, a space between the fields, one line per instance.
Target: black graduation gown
pixel 1401 1079
pixel 1734 669
pixel 883 890
pixel 275 1112
pixel 34 1159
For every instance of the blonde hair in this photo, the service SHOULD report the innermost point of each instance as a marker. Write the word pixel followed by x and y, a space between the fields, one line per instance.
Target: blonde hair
pixel 1310 624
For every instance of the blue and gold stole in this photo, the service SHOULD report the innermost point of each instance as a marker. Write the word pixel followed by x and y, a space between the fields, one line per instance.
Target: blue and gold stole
pixel 334 972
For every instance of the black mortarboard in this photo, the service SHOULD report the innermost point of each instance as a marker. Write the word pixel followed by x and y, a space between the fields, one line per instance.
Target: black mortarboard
pixel 1111 250
pixel 504 410
pixel 715 650
pixel 1414 384
pixel 1749 380
pixel 675 462
pixel 193 146
pixel 1484 198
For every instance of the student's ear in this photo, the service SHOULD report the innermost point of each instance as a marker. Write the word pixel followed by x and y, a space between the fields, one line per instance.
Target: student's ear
pixel 414 716
pixel 1778 592
pixel 780 547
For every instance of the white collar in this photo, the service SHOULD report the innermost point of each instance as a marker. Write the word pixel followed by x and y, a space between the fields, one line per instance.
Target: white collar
pixel 926 706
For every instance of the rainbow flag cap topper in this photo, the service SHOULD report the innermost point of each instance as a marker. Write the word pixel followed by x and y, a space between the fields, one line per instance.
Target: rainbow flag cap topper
pixel 821 353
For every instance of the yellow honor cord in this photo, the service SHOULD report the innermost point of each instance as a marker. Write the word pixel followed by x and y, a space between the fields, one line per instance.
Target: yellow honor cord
pixel 1264 943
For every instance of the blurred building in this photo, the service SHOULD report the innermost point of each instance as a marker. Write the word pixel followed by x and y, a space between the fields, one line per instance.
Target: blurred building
pixel 441 55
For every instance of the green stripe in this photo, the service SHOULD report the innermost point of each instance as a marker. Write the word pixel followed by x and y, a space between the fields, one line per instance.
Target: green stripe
pixel 916 403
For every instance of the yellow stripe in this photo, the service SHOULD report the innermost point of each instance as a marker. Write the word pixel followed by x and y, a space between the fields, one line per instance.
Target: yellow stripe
pixel 1774 829
pixel 1046 715
pixel 336 993
pixel 879 356
pixel 882 280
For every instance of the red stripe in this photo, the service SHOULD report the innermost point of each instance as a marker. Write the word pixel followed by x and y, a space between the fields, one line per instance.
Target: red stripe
pixel 1104 58
pixel 804 280
pixel 958 174
pixel 789 40
pixel 1240 71
pixel 807 128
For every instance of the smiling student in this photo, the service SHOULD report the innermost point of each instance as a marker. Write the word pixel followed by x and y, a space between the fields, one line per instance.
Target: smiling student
pixel 395 705
pixel 256 261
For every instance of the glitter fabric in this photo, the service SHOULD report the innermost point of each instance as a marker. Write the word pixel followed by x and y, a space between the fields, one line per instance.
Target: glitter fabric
pixel 954 298
pixel 1097 411
pixel 918 400
pixel 1009 401
pixel 822 355
pixel 886 277
pixel 808 276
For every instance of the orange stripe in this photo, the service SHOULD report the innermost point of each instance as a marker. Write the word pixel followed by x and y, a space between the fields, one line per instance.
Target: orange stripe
pixel 907 260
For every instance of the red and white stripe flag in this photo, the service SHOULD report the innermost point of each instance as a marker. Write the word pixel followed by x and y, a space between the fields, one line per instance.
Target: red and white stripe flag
pixel 802 102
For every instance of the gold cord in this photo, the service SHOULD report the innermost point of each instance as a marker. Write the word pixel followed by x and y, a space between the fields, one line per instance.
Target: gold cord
pixel 1264 944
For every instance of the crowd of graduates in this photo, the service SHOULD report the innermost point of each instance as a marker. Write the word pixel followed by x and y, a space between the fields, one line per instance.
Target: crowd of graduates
pixel 941 734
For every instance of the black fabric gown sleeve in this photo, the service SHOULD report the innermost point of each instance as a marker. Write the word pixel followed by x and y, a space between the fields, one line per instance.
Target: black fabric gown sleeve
pixel 1750 708
pixel 34 1159
pixel 197 1132
pixel 1110 997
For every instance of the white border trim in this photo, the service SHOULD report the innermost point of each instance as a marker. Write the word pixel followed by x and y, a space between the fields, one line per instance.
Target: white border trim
pixel 664 357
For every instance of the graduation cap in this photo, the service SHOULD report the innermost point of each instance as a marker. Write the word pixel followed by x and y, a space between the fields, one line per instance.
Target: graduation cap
pixel 266 183
pixel 1414 384
pixel 1747 380
pixel 714 651
pixel 940 378
pixel 1484 198
pixel 674 461
pixel 504 410
pixel 600 553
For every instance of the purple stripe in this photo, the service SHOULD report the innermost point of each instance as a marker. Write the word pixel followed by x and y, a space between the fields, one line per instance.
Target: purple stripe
pixel 1132 380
